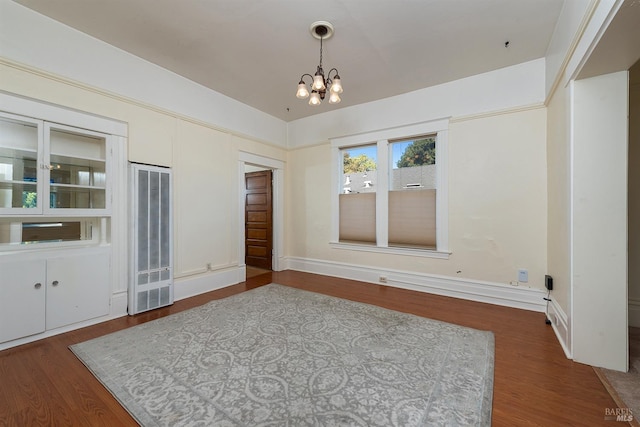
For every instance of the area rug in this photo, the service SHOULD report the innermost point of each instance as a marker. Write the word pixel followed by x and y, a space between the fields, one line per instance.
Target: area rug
pixel 624 387
pixel 280 356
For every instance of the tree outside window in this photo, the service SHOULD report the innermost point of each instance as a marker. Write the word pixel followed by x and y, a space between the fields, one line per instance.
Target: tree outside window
pixel 417 153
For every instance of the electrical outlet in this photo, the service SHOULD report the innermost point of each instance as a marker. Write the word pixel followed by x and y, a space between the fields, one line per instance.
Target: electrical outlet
pixel 383 279
pixel 523 275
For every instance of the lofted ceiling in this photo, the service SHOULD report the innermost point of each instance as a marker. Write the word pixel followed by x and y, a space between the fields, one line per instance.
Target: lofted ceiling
pixel 256 50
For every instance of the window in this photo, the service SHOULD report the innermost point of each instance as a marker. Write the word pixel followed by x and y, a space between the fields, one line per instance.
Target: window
pixel 412 193
pixel 358 194
pixel 390 190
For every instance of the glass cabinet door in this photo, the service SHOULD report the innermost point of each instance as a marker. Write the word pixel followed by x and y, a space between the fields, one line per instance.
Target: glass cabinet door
pixel 20 160
pixel 77 170
pixel 52 169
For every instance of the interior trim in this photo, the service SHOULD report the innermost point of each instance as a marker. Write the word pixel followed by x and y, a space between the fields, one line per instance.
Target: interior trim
pixel 521 297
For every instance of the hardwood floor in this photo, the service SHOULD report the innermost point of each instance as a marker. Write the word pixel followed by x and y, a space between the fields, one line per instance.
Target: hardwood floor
pixel 255 271
pixel 42 383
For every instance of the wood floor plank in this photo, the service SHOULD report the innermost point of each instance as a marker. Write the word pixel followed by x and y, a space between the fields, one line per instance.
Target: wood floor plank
pixel 43 383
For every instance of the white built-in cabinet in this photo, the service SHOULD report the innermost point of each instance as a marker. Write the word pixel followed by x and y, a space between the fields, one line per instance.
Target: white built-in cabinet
pixel 22 299
pixel 41 292
pixel 77 288
pixel 61 232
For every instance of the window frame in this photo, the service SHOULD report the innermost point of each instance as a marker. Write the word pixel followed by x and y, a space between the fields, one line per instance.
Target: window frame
pixel 382 138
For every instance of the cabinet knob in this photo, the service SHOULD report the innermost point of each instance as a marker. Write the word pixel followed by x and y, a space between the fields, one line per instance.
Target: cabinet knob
pixel 54 283
pixel 37 285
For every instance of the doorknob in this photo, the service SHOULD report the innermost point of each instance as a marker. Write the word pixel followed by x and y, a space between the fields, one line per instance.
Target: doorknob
pixel 37 285
pixel 54 283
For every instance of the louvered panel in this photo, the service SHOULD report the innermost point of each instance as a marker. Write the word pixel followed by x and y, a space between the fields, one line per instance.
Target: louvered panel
pixel 151 276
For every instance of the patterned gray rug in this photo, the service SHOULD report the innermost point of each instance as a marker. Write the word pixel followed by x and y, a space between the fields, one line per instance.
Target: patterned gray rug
pixel 279 356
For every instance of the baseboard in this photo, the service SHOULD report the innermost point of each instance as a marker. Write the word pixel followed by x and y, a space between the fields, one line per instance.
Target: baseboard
pixel 119 303
pixel 475 290
pixel 560 324
pixel 634 312
pixel 186 287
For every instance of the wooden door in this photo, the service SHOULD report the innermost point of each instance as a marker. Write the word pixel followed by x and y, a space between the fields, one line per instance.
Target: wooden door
pixel 258 219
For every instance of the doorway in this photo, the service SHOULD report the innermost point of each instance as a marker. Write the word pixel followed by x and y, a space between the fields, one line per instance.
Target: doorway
pixel 247 163
pixel 258 214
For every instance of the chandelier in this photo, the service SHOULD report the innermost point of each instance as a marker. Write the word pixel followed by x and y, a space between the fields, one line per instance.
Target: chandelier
pixel 319 84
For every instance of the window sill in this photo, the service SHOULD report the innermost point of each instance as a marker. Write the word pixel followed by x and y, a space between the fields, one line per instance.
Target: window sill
pixel 424 253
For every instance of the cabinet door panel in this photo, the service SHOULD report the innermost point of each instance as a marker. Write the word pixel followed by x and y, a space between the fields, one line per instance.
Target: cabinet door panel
pixel 22 300
pixel 77 289
pixel 78 171
pixel 20 156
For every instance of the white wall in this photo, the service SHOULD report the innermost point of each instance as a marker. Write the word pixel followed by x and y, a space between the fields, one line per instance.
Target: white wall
pixel 599 216
pixel 29 38
pixel 634 196
pixel 204 161
pixel 576 36
pixel 181 129
pixel 559 213
pixel 497 170
pixel 497 204
pixel 498 197
pixel 504 89
pixel 205 180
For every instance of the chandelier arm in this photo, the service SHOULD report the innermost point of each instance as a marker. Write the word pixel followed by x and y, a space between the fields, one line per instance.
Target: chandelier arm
pixel 302 78
pixel 329 74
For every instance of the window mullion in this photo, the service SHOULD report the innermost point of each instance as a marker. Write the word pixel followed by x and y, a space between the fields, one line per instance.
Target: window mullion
pixel 442 192
pixel 382 195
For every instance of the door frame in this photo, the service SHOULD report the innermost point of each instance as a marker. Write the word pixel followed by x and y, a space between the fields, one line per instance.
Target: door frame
pixel 259 176
pixel 277 168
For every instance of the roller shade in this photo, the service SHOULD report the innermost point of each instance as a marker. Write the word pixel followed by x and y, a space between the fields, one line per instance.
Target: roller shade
pixel 358 217
pixel 412 218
